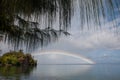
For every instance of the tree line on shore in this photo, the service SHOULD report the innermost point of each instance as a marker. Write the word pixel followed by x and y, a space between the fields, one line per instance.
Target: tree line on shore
pixel 17 58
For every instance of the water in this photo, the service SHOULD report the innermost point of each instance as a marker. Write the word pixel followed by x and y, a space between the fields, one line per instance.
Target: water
pixel 62 72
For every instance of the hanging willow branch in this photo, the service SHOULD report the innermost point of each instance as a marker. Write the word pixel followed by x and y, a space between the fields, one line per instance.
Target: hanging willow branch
pixel 30 22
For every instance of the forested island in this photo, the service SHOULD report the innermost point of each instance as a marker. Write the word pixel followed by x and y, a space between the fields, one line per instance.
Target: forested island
pixel 17 58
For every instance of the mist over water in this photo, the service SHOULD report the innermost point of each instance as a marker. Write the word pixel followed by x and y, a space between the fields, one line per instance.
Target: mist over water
pixel 65 72
pixel 60 65
pixel 61 57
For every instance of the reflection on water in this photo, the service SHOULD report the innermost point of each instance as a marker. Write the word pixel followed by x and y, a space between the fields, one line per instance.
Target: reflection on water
pixel 62 72
pixel 14 73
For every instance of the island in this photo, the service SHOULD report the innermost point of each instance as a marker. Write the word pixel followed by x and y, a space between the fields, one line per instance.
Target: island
pixel 17 58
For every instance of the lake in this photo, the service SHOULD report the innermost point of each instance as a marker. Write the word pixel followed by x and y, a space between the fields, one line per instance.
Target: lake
pixel 62 72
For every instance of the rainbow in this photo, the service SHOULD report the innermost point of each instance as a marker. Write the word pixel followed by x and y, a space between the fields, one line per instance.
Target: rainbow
pixel 66 54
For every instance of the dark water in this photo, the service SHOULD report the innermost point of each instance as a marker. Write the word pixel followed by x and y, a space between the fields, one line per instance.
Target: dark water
pixel 62 72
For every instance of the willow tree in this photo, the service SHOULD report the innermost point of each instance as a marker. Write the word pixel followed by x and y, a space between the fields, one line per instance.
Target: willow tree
pixel 30 23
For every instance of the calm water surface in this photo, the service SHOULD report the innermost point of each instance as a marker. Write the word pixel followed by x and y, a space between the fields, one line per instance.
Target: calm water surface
pixel 62 72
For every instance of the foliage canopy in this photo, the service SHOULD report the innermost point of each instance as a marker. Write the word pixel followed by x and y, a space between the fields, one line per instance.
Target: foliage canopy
pixel 17 59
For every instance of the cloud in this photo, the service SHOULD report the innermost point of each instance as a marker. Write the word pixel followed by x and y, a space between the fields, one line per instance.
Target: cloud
pixel 106 37
pixel 102 39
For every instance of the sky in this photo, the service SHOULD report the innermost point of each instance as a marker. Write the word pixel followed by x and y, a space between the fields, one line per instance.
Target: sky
pixel 100 45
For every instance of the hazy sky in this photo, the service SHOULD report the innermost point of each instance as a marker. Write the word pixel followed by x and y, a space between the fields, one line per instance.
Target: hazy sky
pixel 96 44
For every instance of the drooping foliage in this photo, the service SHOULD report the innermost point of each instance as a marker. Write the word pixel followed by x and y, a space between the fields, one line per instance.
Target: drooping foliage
pixel 94 10
pixel 20 21
pixel 30 23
